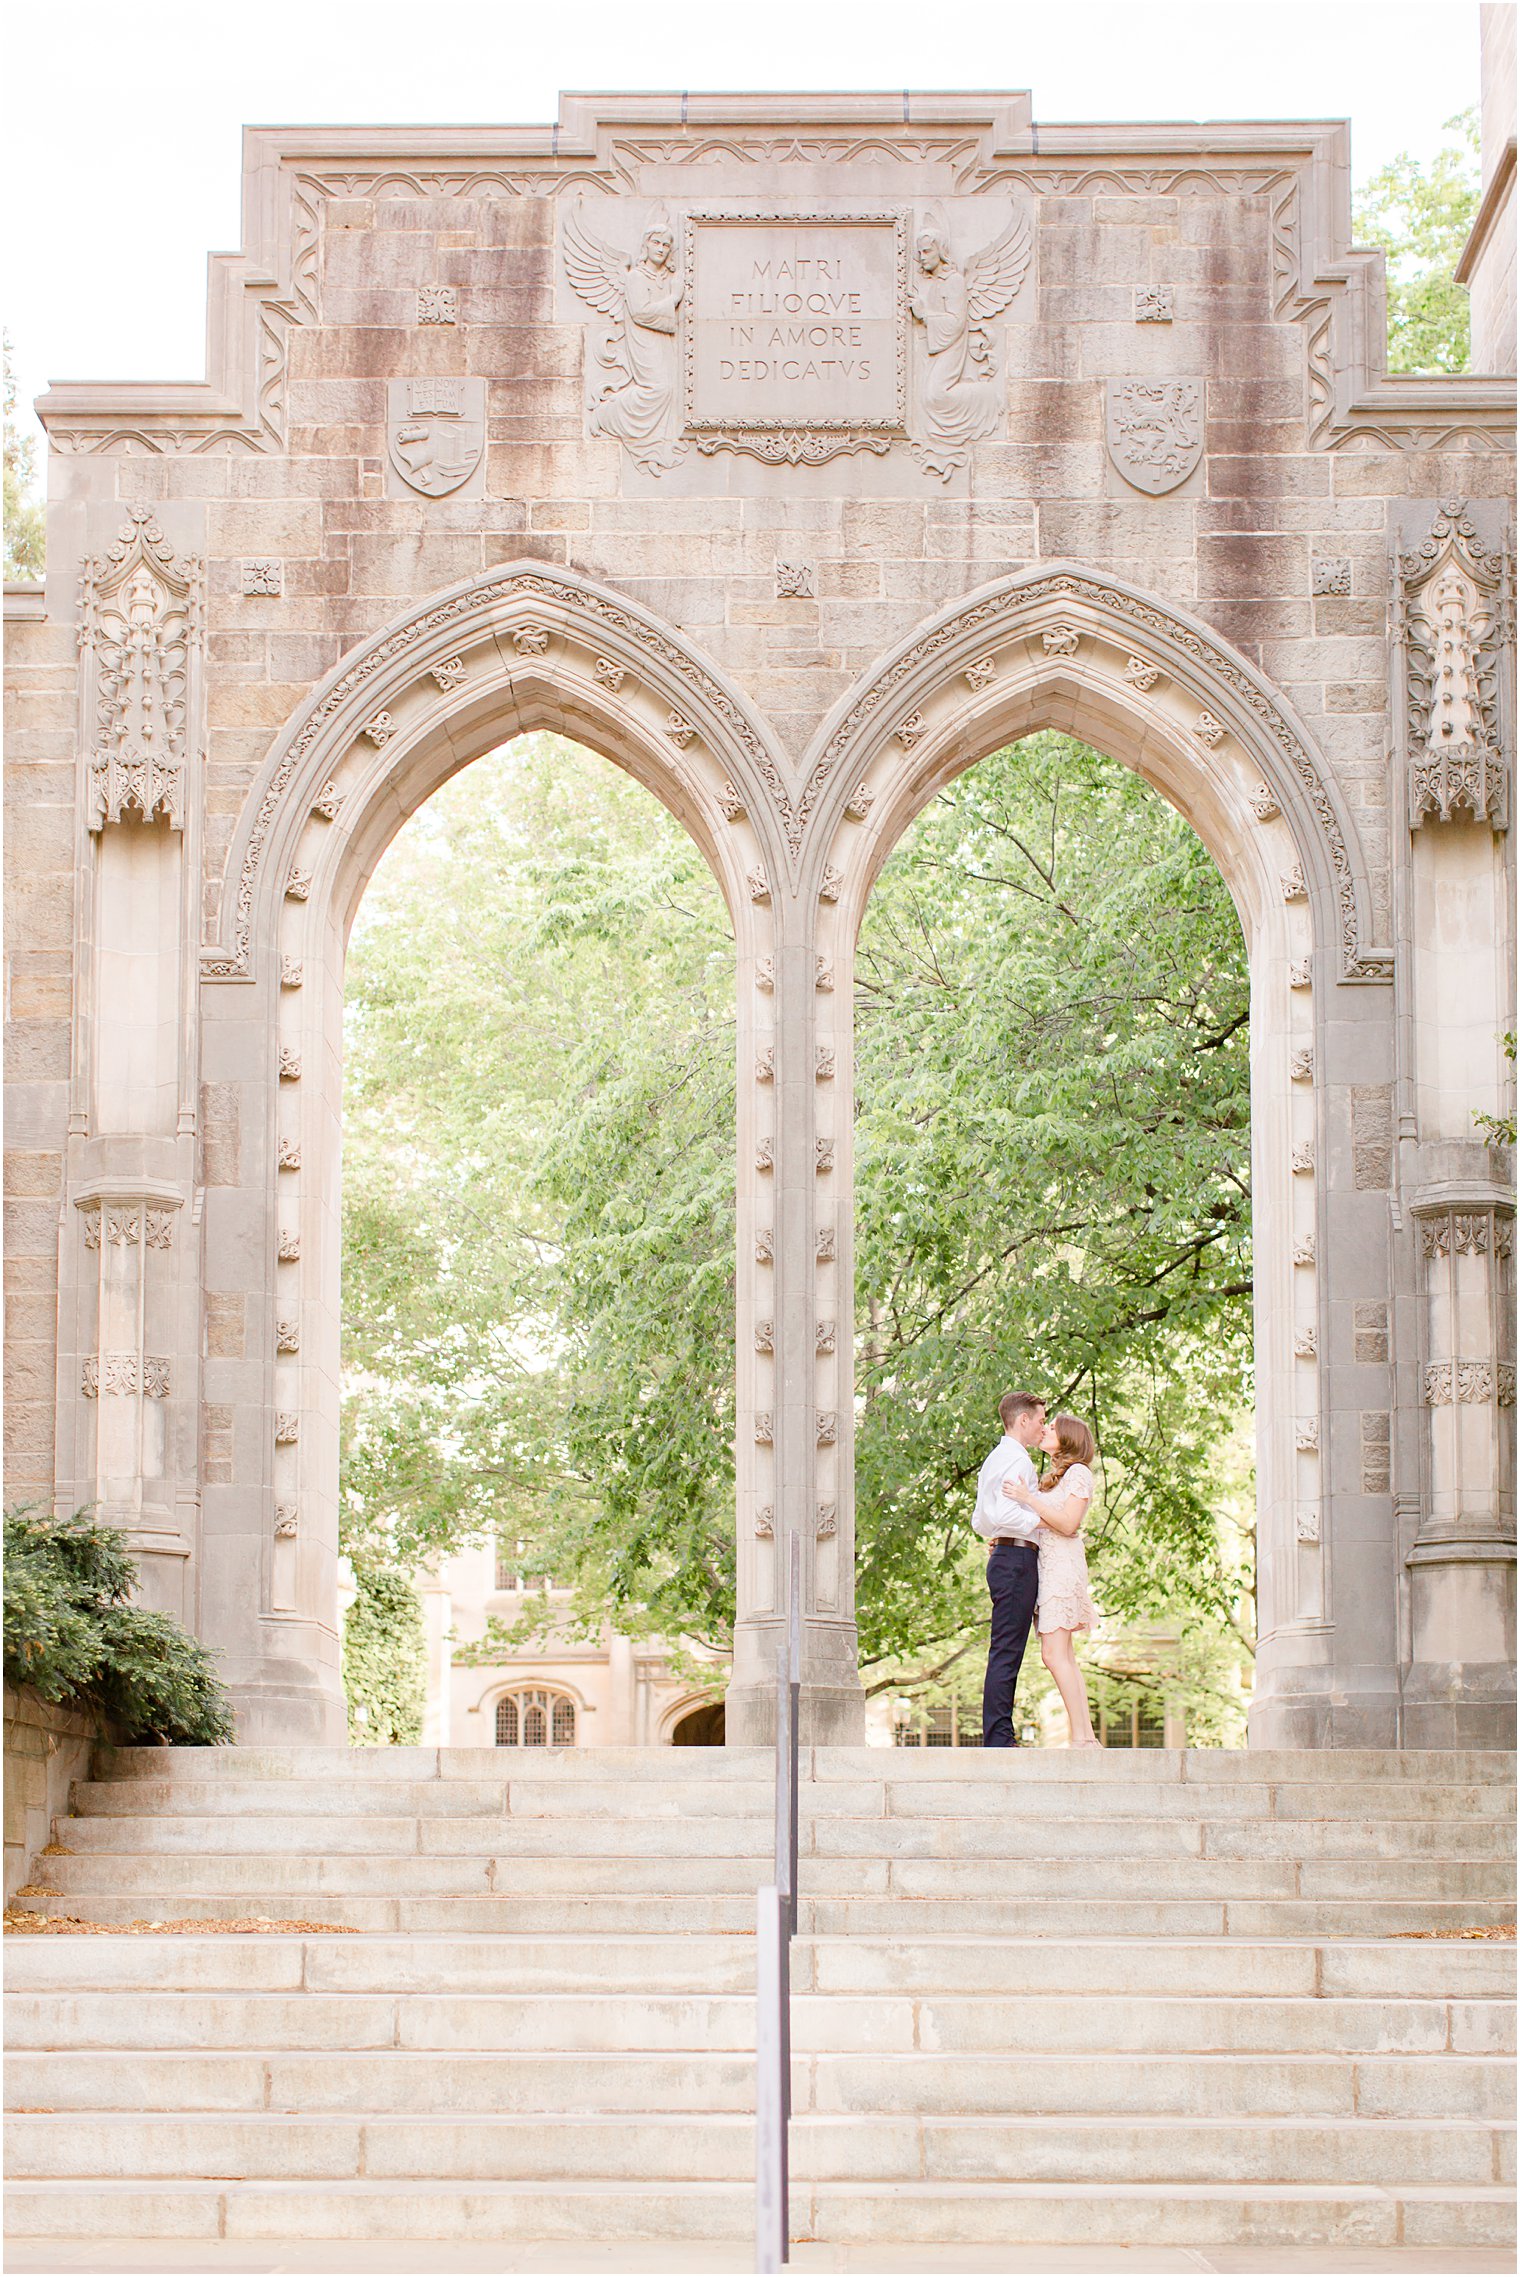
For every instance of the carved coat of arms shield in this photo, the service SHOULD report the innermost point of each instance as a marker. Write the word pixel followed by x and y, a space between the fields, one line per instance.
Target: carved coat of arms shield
pixel 1155 431
pixel 436 432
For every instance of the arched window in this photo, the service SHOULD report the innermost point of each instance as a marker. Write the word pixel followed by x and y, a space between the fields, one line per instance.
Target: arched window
pixel 535 1719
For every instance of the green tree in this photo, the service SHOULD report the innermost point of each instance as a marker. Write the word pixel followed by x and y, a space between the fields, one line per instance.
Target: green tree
pixel 24 518
pixel 1053 1148
pixel 1421 216
pixel 384 1672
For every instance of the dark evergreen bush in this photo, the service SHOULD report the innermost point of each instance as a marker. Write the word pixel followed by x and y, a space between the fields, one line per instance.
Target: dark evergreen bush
pixel 72 1635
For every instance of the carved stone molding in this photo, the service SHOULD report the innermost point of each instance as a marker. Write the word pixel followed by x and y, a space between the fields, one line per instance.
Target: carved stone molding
pixel 122 1375
pixel 1467 1233
pixel 1264 804
pixel 765 1336
pixel 1155 431
pixel 1330 577
pixel 1155 304
pixel 287 1522
pixel 796 581
pixel 765 1247
pixel 287 1336
pixel 826 1250
pixel 263 577
pixel 287 1428
pixel 765 1522
pixel 828 1427
pixel 1480 1383
pixel 1301 1066
pixel 765 1428
pixel 1306 1524
pixel 1455 616
pixel 140 635
pixel 826 1521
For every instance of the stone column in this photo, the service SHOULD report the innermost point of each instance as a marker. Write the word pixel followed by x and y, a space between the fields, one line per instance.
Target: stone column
pixel 802 1340
pixel 1456 726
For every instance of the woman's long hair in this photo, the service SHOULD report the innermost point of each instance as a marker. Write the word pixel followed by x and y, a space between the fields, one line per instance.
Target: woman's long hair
pixel 1074 1444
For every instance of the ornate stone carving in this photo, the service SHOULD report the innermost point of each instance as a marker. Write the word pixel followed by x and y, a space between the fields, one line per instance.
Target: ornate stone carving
pixel 1301 973
pixel 531 640
pixel 765 1336
pixel 823 1154
pixel 758 885
pixel 1155 431
pixel 1155 304
pixel 1306 1523
pixel 158 1229
pixel 765 1522
pixel 832 884
pixel 298 886
pixel 633 395
pixel 1477 1383
pixel 765 1065
pixel 824 1338
pixel 140 634
pixel 911 730
pixel 1467 1233
pixel 292 972
pixel 765 973
pixel 982 673
pixel 730 804
pixel 289 1155
pixel 289 1247
pixel 960 382
pixel 123 1228
pixel 287 1335
pixel 796 581
pixel 680 730
pixel 437 304
pixel 826 1251
pixel 328 803
pixel 859 804
pixel 1377 1452
pixel 1264 804
pixel 1141 673
pixel 1330 576
pixel 287 1522
pixel 826 1521
pixel 435 432
pixel 1306 1437
pixel 263 577
pixel 120 1375
pixel 1303 1161
pixel 823 1064
pixel 1453 597
pixel 1061 640
pixel 90 1212
pixel 379 730
pixel 287 1428
pixel 1301 1066
pixel 1306 1344
pixel 828 1427
pixel 1208 730
pixel 290 1064
pixel 1293 885
pixel 609 675
pixel 765 1428
pixel 765 1155
pixel 451 673
pixel 823 975
pixel 1303 1251
pixel 765 1247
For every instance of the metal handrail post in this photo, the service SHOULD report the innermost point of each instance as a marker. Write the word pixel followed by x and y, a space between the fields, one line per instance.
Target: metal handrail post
pixel 773 2079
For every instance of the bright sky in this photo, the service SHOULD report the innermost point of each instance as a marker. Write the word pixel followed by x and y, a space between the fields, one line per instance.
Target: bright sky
pixel 124 115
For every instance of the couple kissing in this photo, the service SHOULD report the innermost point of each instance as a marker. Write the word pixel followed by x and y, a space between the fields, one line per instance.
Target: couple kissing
pixel 1037 1563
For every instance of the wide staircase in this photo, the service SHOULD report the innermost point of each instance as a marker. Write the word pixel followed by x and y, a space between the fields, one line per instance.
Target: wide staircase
pixel 1145 1999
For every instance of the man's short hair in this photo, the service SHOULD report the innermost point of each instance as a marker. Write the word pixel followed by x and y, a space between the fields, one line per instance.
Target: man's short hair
pixel 1014 1404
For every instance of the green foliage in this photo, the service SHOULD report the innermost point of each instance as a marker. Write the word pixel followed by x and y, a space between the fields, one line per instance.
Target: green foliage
pixel 1499 1129
pixel 1053 1154
pixel 25 523
pixel 71 1634
pixel 383 1661
pixel 1421 216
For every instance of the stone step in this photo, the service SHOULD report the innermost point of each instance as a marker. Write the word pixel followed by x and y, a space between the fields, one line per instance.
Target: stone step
pixel 991 2214
pixel 920 2084
pixel 1007 1767
pixel 959 1797
pixel 826 1834
pixel 826 2023
pixel 443 1867
pixel 932 1966
pixel 275 2146
pixel 565 1913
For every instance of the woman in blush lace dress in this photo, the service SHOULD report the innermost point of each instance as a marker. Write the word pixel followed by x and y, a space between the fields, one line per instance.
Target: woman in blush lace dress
pixel 1061 1503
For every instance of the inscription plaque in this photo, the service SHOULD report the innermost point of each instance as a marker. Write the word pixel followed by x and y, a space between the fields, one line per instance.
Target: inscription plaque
pixel 794 335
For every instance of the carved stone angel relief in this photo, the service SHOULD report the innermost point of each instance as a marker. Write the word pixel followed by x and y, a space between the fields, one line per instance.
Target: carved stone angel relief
pixel 632 392
pixel 960 390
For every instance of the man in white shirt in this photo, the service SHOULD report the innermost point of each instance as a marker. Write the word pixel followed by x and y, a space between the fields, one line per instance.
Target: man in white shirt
pixel 1013 1569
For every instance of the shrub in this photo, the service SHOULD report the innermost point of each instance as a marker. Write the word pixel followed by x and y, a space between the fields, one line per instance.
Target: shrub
pixel 383 1651
pixel 72 1635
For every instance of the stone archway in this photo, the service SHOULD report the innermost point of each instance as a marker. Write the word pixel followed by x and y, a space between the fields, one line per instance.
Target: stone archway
pixel 789 623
